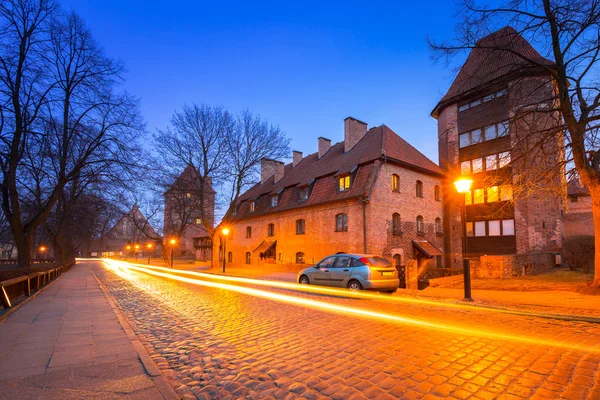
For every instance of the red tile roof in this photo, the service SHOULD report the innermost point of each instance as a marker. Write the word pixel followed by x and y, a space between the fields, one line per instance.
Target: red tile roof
pixel 575 188
pixel 378 144
pixel 493 57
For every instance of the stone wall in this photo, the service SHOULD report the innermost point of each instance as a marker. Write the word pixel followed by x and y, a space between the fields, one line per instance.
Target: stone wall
pixel 509 266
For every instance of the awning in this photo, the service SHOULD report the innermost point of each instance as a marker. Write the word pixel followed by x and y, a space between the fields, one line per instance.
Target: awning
pixel 426 248
pixel 265 246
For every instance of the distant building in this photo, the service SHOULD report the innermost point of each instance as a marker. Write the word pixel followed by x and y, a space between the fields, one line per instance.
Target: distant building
pixel 578 219
pixel 132 229
pixel 478 138
pixel 183 219
pixel 371 193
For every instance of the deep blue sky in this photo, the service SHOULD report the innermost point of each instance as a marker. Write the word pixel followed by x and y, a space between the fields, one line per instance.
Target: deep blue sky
pixel 304 67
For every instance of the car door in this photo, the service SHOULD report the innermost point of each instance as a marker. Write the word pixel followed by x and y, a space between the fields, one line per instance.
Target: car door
pixel 322 272
pixel 340 272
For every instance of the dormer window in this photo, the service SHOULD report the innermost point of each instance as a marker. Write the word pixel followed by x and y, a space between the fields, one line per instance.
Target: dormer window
pixel 303 193
pixel 274 201
pixel 252 206
pixel 344 183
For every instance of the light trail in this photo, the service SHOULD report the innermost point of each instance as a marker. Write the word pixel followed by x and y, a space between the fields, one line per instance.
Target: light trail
pixel 348 311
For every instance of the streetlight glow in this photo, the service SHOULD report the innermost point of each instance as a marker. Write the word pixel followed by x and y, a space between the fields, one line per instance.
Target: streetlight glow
pixel 42 249
pixel 463 185
pixel 173 241
pixel 128 247
pixel 149 245
pixel 225 231
pixel 137 246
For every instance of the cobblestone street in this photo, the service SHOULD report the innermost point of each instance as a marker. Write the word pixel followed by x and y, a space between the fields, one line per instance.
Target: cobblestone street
pixel 221 342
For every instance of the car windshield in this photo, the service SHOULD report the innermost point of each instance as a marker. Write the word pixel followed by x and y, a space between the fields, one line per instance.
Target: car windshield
pixel 378 262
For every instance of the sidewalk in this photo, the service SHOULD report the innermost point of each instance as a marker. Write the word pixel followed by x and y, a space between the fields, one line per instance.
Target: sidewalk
pixel 67 343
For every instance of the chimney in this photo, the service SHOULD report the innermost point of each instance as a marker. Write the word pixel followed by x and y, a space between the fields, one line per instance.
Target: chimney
pixel 297 156
pixel 354 130
pixel 324 145
pixel 268 168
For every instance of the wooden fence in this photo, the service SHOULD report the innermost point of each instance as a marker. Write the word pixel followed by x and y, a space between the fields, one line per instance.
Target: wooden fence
pixel 15 287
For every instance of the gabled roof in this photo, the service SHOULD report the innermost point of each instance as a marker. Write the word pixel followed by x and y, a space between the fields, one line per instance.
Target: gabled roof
pixel 189 178
pixel 496 56
pixel 378 144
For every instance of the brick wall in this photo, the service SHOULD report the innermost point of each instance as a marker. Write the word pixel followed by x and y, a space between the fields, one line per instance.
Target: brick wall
pixel 509 266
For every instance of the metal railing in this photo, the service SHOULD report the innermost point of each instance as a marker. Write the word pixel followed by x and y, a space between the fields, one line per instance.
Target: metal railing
pixel 15 287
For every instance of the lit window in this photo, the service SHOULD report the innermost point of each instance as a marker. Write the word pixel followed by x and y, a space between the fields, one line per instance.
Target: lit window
pixel 506 193
pixel 341 222
pixel 470 232
pixel 420 225
pixel 494 228
pixel 468 198
pixel 395 183
pixel 477 165
pixel 344 183
pixel 198 221
pixel 465 139
pixel 419 189
pixel 508 227
pixel 300 227
pixel 252 206
pixel 491 162
pixel 303 193
pixel 480 228
pixel 490 132
pixel 274 201
pixel 492 194
pixel 478 196
pixel 188 195
pixel 465 167
pixel 504 159
pixel 271 230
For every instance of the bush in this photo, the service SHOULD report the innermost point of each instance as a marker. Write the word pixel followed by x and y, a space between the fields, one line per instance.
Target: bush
pixel 578 252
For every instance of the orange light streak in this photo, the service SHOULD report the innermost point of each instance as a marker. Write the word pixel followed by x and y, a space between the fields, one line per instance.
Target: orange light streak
pixel 348 311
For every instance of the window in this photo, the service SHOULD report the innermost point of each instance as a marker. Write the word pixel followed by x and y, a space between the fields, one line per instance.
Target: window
pixel 395 183
pixel 478 196
pixel 437 193
pixel 300 227
pixel 476 136
pixel 271 230
pixel 477 165
pixel 494 228
pixel 491 162
pixel 506 192
pixel 419 188
pixel 504 159
pixel 396 224
pixel 341 222
pixel 484 134
pixel 438 226
pixel 230 257
pixel 468 198
pixel 508 227
pixel 465 139
pixel 492 194
pixel 482 100
pixel 252 206
pixel 344 183
pixel 503 128
pixel 470 232
pixel 299 258
pixel 420 226
pixel 248 232
pixel 480 228
pixel 303 193
pixel 248 257
pixel 465 167
pixel 274 201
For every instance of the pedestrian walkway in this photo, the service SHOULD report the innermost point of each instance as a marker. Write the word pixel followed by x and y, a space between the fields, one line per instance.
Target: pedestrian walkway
pixel 68 343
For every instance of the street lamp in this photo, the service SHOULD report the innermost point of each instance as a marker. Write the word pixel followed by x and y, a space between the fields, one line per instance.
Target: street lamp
pixel 42 251
pixel 149 246
pixel 463 186
pixel 173 242
pixel 225 232
pixel 137 248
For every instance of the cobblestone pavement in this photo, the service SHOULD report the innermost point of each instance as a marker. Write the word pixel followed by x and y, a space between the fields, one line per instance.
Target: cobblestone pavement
pixel 219 343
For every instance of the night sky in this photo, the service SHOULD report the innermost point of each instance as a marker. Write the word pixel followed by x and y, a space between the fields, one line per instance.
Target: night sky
pixel 304 67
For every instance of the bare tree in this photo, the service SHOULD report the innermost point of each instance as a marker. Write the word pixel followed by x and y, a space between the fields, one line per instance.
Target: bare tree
pixel 563 110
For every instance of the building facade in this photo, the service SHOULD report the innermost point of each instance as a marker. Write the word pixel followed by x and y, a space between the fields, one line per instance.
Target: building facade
pixel 578 218
pixel 371 193
pixel 494 128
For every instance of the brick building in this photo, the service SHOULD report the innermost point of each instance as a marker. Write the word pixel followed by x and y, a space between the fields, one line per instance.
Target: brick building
pixel 183 217
pixel 371 193
pixel 578 218
pixel 484 133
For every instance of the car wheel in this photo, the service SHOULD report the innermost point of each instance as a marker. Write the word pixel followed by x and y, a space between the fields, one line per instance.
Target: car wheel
pixel 304 280
pixel 354 285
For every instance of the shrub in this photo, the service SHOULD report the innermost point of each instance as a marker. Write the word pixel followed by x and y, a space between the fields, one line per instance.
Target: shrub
pixel 578 252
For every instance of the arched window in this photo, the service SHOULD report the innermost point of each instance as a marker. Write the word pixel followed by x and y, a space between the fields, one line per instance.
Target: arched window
pixel 271 230
pixel 248 257
pixel 395 183
pixel 341 222
pixel 299 258
pixel 437 193
pixel 420 226
pixel 300 227
pixel 438 226
pixel 396 224
pixel 248 231
pixel 230 257
pixel 419 188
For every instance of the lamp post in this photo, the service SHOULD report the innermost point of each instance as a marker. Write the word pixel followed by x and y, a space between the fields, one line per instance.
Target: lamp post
pixel 463 186
pixel 225 232
pixel 173 242
pixel 137 248
pixel 128 247
pixel 149 246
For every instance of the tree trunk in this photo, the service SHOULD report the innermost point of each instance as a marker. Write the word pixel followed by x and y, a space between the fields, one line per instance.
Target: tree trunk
pixel 596 217
pixel 23 242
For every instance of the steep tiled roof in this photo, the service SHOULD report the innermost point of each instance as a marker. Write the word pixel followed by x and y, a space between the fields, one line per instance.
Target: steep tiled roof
pixel 493 57
pixel 188 178
pixel 379 143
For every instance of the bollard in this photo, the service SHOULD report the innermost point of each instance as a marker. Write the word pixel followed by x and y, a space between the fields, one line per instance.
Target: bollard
pixel 467 278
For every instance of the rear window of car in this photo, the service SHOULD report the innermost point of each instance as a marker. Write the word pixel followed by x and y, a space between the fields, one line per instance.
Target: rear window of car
pixel 378 262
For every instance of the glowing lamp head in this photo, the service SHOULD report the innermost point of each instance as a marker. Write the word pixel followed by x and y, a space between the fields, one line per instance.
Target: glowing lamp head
pixel 42 248
pixel 128 247
pixel 137 246
pixel 173 241
pixel 149 245
pixel 463 185
pixel 225 231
